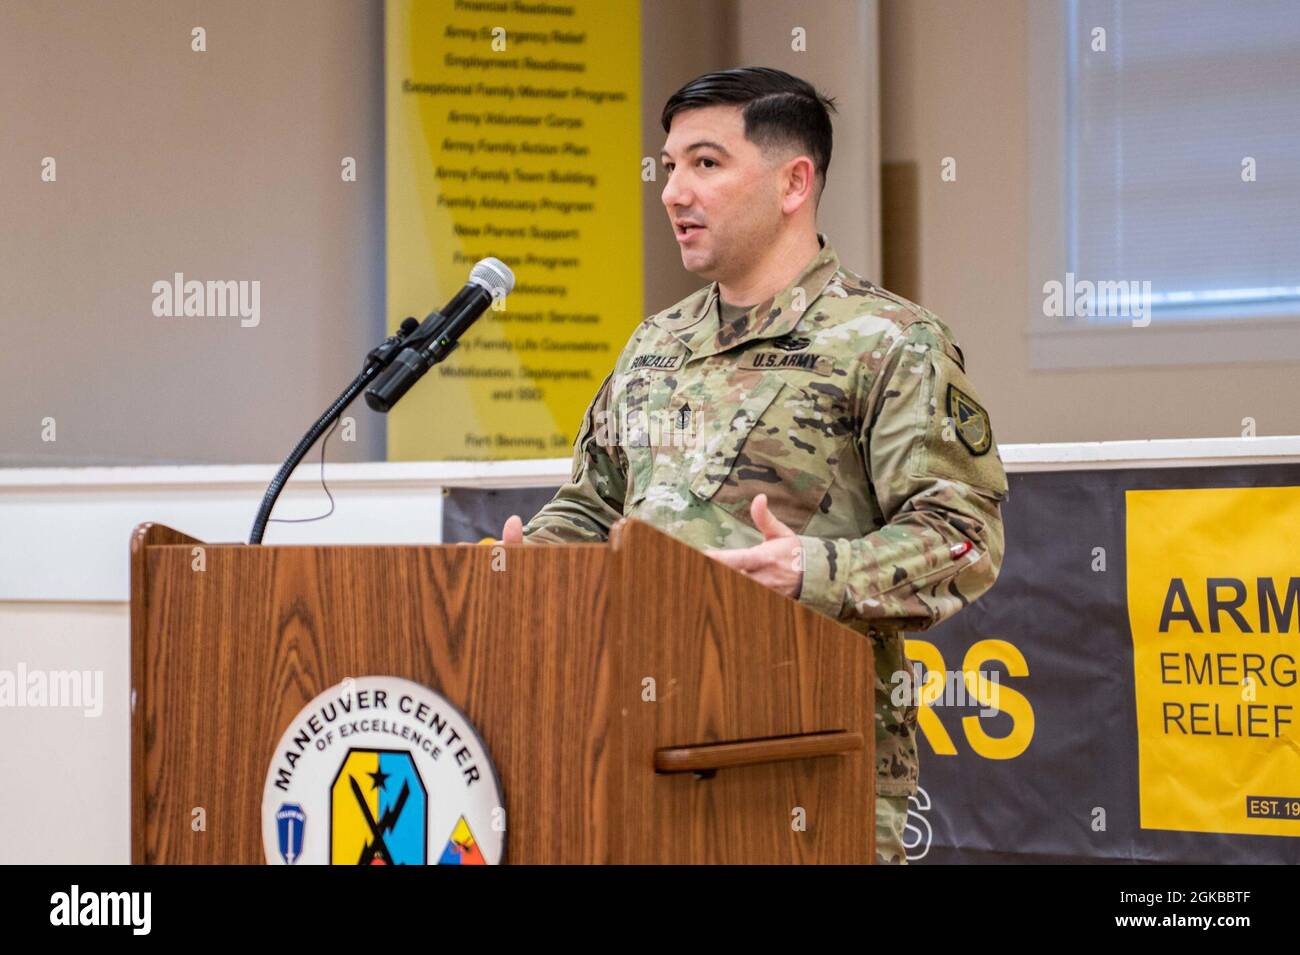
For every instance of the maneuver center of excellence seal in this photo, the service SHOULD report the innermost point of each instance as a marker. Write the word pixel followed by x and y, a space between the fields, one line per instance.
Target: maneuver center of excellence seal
pixel 382 771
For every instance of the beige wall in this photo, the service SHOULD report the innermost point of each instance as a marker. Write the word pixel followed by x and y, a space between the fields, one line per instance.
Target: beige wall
pixel 219 165
pixel 222 164
pixel 954 82
pixel 65 775
pixel 225 165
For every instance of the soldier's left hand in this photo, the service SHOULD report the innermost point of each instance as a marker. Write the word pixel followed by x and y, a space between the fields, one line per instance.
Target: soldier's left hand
pixel 776 562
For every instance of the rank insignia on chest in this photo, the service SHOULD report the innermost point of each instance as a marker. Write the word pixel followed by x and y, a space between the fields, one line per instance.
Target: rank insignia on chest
pixel 970 420
pixel 791 343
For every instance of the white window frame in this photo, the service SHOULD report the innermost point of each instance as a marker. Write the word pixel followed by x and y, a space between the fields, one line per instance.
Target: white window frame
pixel 1061 343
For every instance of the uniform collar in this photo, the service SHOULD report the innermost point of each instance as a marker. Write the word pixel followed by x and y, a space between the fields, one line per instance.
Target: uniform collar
pixel 696 325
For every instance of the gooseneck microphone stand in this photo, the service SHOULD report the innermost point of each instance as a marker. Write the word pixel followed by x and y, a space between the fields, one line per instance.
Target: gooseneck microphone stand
pixel 377 360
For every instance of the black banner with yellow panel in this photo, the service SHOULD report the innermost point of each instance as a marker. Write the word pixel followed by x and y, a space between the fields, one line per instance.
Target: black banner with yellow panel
pixel 1127 691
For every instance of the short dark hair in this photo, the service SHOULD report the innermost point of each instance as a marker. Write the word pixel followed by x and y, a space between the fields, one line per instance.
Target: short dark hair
pixel 780 109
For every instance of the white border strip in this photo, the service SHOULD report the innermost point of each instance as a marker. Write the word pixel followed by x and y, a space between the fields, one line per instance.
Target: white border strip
pixel 64 532
pixel 548 472
pixel 404 474
pixel 1163 453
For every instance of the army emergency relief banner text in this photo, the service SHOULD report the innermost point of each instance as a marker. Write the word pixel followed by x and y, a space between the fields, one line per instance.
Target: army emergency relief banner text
pixel 1142 646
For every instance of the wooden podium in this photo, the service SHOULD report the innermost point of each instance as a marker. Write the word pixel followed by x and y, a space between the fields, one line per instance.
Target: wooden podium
pixel 762 707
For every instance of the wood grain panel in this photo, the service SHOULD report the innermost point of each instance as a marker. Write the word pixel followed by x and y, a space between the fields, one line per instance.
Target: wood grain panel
pixel 545 657
pixel 731 661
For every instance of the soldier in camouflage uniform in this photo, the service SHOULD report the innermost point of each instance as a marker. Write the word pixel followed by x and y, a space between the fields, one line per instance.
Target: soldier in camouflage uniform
pixel 831 424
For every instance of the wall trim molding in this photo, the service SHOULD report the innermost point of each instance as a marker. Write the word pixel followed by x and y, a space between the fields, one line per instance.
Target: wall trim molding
pixel 66 530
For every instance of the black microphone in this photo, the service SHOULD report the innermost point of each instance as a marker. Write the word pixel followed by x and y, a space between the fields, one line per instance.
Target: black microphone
pixel 439 334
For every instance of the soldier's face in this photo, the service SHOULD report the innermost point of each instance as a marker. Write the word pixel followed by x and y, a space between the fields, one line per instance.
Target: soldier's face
pixel 722 194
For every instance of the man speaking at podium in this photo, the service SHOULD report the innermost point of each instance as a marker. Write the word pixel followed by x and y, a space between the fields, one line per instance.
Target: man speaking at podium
pixel 798 423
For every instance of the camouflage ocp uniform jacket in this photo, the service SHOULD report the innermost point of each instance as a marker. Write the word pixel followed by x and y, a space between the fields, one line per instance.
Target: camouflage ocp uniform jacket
pixel 850 408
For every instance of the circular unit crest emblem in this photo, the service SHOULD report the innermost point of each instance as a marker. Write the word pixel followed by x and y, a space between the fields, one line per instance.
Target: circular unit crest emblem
pixel 379 770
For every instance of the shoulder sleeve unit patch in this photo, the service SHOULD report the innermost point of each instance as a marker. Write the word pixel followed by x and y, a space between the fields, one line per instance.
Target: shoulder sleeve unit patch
pixel 957 442
pixel 970 420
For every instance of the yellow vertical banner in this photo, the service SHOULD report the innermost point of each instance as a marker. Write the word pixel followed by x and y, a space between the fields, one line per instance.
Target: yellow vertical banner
pixel 1214 608
pixel 513 131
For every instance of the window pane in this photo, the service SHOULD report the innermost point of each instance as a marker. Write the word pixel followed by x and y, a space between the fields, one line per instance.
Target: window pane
pixel 1161 123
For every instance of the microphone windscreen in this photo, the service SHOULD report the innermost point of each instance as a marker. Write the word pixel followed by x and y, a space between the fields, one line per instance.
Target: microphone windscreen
pixel 494 276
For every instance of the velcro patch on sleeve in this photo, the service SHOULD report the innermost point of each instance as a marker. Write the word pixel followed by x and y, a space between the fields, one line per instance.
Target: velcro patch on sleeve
pixel 958 443
pixel 970 421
